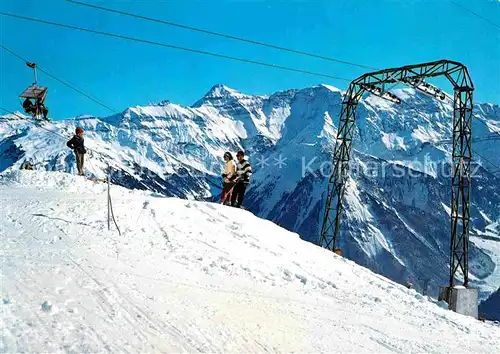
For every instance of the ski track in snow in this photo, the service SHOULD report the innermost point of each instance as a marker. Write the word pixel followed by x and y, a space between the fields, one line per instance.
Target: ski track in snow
pixel 193 277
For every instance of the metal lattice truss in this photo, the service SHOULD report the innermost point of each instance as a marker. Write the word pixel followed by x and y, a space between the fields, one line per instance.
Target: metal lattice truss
pixel 379 83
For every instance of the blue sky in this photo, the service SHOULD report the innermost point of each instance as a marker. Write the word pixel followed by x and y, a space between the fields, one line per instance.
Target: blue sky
pixel 381 34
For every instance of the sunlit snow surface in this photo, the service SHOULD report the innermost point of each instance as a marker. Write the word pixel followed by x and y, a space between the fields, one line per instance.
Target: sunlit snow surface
pixel 190 276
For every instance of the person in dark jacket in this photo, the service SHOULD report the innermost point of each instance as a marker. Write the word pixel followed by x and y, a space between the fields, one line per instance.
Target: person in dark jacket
pixel 28 106
pixel 244 172
pixel 77 145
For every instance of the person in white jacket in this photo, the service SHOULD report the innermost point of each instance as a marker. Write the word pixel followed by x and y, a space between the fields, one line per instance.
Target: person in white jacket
pixel 229 175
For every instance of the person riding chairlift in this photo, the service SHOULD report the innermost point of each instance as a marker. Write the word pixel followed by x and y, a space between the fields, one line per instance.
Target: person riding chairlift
pixel 28 106
pixel 31 108
pixel 41 107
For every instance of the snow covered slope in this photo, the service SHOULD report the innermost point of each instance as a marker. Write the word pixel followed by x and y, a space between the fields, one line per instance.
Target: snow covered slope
pixel 189 276
pixel 397 204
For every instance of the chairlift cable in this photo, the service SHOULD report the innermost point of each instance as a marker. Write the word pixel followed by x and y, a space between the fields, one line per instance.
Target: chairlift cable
pixel 166 45
pixel 224 35
pixel 61 81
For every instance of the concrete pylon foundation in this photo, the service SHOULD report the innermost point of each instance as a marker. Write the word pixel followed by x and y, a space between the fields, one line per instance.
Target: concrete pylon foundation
pixel 460 299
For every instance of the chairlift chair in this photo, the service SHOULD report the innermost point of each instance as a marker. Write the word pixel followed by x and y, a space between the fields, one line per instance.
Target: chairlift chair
pixel 36 93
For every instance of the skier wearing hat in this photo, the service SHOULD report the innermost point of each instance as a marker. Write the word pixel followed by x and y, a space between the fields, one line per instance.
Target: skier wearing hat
pixel 77 145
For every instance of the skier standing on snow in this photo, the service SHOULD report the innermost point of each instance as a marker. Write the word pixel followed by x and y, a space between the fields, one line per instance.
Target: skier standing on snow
pixel 77 145
pixel 244 173
pixel 229 174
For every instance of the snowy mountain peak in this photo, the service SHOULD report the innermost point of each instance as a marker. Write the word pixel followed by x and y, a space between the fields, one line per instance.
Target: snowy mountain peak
pixel 331 88
pixel 162 103
pixel 219 90
pixel 219 95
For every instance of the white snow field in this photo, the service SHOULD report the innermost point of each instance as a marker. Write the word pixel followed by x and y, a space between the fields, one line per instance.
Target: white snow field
pixel 190 276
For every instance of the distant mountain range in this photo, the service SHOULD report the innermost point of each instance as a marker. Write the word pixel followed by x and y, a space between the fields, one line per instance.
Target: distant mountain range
pixel 397 202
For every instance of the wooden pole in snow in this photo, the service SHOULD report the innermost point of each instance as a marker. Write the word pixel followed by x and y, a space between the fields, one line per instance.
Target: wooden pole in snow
pixel 109 198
